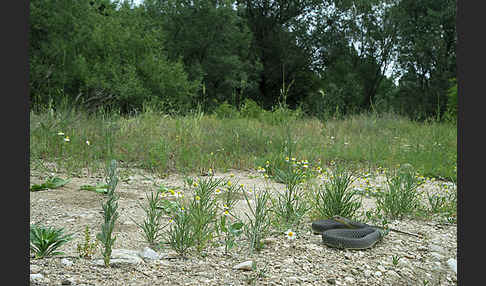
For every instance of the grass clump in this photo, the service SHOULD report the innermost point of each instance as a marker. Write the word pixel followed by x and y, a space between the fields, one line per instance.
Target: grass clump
pixel 152 225
pixel 44 241
pixel 290 206
pixel 258 220
pixel 400 196
pixel 335 197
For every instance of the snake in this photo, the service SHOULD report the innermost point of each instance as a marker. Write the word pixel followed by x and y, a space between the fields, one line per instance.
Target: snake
pixel 343 233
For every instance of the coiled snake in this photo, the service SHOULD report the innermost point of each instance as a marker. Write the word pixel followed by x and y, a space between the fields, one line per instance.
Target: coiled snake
pixel 341 232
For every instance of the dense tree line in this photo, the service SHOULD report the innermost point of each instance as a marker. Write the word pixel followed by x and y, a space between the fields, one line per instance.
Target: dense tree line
pixel 323 56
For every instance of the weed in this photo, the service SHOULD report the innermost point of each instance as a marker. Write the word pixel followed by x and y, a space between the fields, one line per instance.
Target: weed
pixel 110 213
pixel 335 197
pixel 259 221
pixel 51 183
pixel 395 259
pixel 88 248
pixel 180 235
pixel 400 196
pixel 152 225
pixel 45 241
pixel 289 206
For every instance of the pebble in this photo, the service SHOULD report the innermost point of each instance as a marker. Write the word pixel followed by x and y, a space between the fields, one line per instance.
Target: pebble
pixel 367 273
pixel 66 262
pixel 247 265
pixel 452 264
pixel 148 253
pixel 36 277
pixel 436 255
pixel 292 279
pixel 34 269
pixel 378 274
pixel 122 256
pixel 436 248
pixel 349 280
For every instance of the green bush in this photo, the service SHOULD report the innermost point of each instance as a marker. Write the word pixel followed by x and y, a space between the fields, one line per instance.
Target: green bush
pixel 251 109
pixel 226 110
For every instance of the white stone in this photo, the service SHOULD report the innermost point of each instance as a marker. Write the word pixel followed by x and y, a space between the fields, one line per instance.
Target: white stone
pixel 367 273
pixel 436 255
pixel 452 264
pixel 66 262
pixel 436 248
pixel 349 280
pixel 247 265
pixel 149 253
pixel 34 269
pixel 293 279
pixel 36 277
pixel 122 256
pixel 378 274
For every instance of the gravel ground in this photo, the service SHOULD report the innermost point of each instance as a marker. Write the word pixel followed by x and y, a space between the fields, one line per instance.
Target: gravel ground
pixel 302 261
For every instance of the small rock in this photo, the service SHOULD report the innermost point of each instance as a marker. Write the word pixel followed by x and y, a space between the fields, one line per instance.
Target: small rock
pixel 68 281
pixel 247 265
pixel 66 262
pixel 289 261
pixel 293 279
pixel 148 253
pixel 367 273
pixel 378 274
pixel 436 255
pixel 436 248
pixel 452 264
pixel 381 268
pixel 121 256
pixel 34 269
pixel 349 280
pixel 36 277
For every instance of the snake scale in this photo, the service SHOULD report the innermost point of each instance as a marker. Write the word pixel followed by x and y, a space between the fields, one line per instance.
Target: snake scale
pixel 343 233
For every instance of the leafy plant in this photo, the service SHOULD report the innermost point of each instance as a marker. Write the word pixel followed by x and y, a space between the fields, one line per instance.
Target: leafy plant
pixel 400 196
pixel 336 197
pixel 110 213
pixel 202 211
pixel 99 188
pixel 45 241
pixel 51 183
pixel 88 248
pixel 259 220
pixel 180 235
pixel 290 205
pixel 152 225
pixel 231 231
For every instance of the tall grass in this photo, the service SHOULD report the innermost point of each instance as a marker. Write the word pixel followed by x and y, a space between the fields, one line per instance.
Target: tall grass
pixel 197 142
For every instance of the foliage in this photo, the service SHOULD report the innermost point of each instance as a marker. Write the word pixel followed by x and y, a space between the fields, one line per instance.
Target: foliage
pixel 400 197
pixel 102 59
pixel 335 196
pixel 290 206
pixel 452 100
pixel 88 248
pixel 51 183
pixel 152 225
pixel 110 213
pixel 44 241
pixel 258 219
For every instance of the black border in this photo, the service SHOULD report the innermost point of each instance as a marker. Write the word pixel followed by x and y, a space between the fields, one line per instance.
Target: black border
pixel 15 212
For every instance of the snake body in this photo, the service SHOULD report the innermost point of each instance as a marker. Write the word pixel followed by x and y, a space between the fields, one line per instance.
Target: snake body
pixel 341 232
